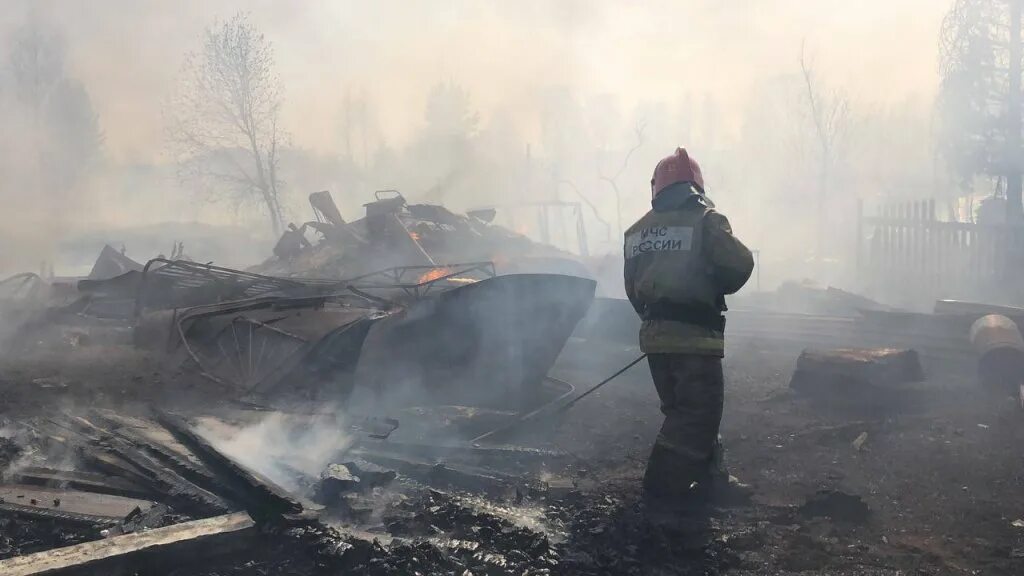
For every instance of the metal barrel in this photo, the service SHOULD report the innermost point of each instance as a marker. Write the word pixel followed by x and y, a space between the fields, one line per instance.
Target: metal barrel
pixel 1000 349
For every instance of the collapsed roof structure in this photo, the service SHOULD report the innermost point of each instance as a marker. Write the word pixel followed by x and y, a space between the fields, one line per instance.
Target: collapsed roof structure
pixel 410 298
pixel 394 233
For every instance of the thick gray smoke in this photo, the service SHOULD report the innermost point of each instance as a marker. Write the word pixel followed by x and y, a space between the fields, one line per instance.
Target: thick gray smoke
pixel 482 104
pixel 282 448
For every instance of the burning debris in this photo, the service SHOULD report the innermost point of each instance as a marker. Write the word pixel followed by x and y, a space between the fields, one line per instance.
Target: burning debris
pixel 343 407
pixel 206 506
pixel 428 336
pixel 394 233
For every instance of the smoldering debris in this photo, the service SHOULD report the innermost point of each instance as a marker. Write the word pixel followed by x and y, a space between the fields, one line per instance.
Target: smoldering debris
pixel 394 233
pixel 300 341
pixel 284 448
pixel 329 329
pixel 880 380
pixel 316 414
pixel 427 529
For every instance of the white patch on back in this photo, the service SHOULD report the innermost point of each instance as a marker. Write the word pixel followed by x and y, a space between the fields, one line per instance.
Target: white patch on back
pixel 659 239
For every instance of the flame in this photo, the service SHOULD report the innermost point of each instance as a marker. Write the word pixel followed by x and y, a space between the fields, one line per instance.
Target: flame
pixel 433 274
pixel 415 236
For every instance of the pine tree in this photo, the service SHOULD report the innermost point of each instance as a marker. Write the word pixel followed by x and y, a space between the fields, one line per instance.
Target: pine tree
pixel 980 95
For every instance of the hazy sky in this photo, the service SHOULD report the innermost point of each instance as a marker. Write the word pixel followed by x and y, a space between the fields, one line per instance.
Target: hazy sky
pixel 127 52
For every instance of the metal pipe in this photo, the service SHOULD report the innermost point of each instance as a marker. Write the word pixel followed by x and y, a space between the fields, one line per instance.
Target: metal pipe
pixel 411 241
pixel 546 408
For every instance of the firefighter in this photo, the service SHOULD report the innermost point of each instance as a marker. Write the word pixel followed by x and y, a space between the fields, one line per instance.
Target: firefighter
pixel 681 259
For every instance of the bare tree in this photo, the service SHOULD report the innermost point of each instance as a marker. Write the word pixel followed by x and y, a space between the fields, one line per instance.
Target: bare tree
pixel 613 180
pixel 830 114
pixel 222 122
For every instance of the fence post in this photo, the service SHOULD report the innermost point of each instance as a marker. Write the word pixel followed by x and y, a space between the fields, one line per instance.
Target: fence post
pixel 933 261
pixel 904 233
pixel 890 239
pixel 860 239
pixel 918 237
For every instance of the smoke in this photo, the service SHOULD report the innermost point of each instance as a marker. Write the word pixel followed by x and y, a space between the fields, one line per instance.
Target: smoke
pixel 281 447
pixel 490 103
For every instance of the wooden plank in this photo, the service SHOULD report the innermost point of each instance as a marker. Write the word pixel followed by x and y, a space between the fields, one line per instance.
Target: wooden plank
pixel 178 490
pixel 68 439
pixel 44 502
pixel 78 480
pixel 154 438
pixel 261 496
pixel 128 553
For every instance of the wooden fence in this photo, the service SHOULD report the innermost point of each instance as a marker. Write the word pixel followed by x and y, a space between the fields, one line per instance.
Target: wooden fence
pixel 906 253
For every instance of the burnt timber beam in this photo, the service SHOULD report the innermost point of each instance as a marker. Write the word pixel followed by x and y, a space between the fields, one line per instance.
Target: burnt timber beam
pixel 178 489
pixel 67 505
pixel 139 552
pixel 82 481
pixel 161 444
pixel 261 496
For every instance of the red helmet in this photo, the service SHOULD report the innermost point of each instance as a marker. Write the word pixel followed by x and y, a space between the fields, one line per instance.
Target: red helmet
pixel 674 169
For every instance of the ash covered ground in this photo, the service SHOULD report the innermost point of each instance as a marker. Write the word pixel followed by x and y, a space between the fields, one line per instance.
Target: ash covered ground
pixel 931 487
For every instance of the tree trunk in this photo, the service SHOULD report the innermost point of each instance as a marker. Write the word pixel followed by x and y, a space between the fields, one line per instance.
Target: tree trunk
pixel 274 210
pixel 265 186
pixel 1013 124
pixel 823 178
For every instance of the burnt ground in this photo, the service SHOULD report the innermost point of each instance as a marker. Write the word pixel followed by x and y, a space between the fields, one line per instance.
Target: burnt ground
pixel 940 473
pixel 939 476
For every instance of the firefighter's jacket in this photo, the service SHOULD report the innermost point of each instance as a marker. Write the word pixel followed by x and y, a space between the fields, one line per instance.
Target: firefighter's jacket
pixel 681 259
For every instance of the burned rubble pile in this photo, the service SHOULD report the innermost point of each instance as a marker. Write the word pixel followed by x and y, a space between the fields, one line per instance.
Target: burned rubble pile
pixel 459 348
pixel 136 489
pixel 396 233
pixel 386 399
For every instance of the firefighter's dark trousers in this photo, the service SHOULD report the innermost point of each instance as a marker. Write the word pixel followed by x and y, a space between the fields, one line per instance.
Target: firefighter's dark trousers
pixel 691 389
